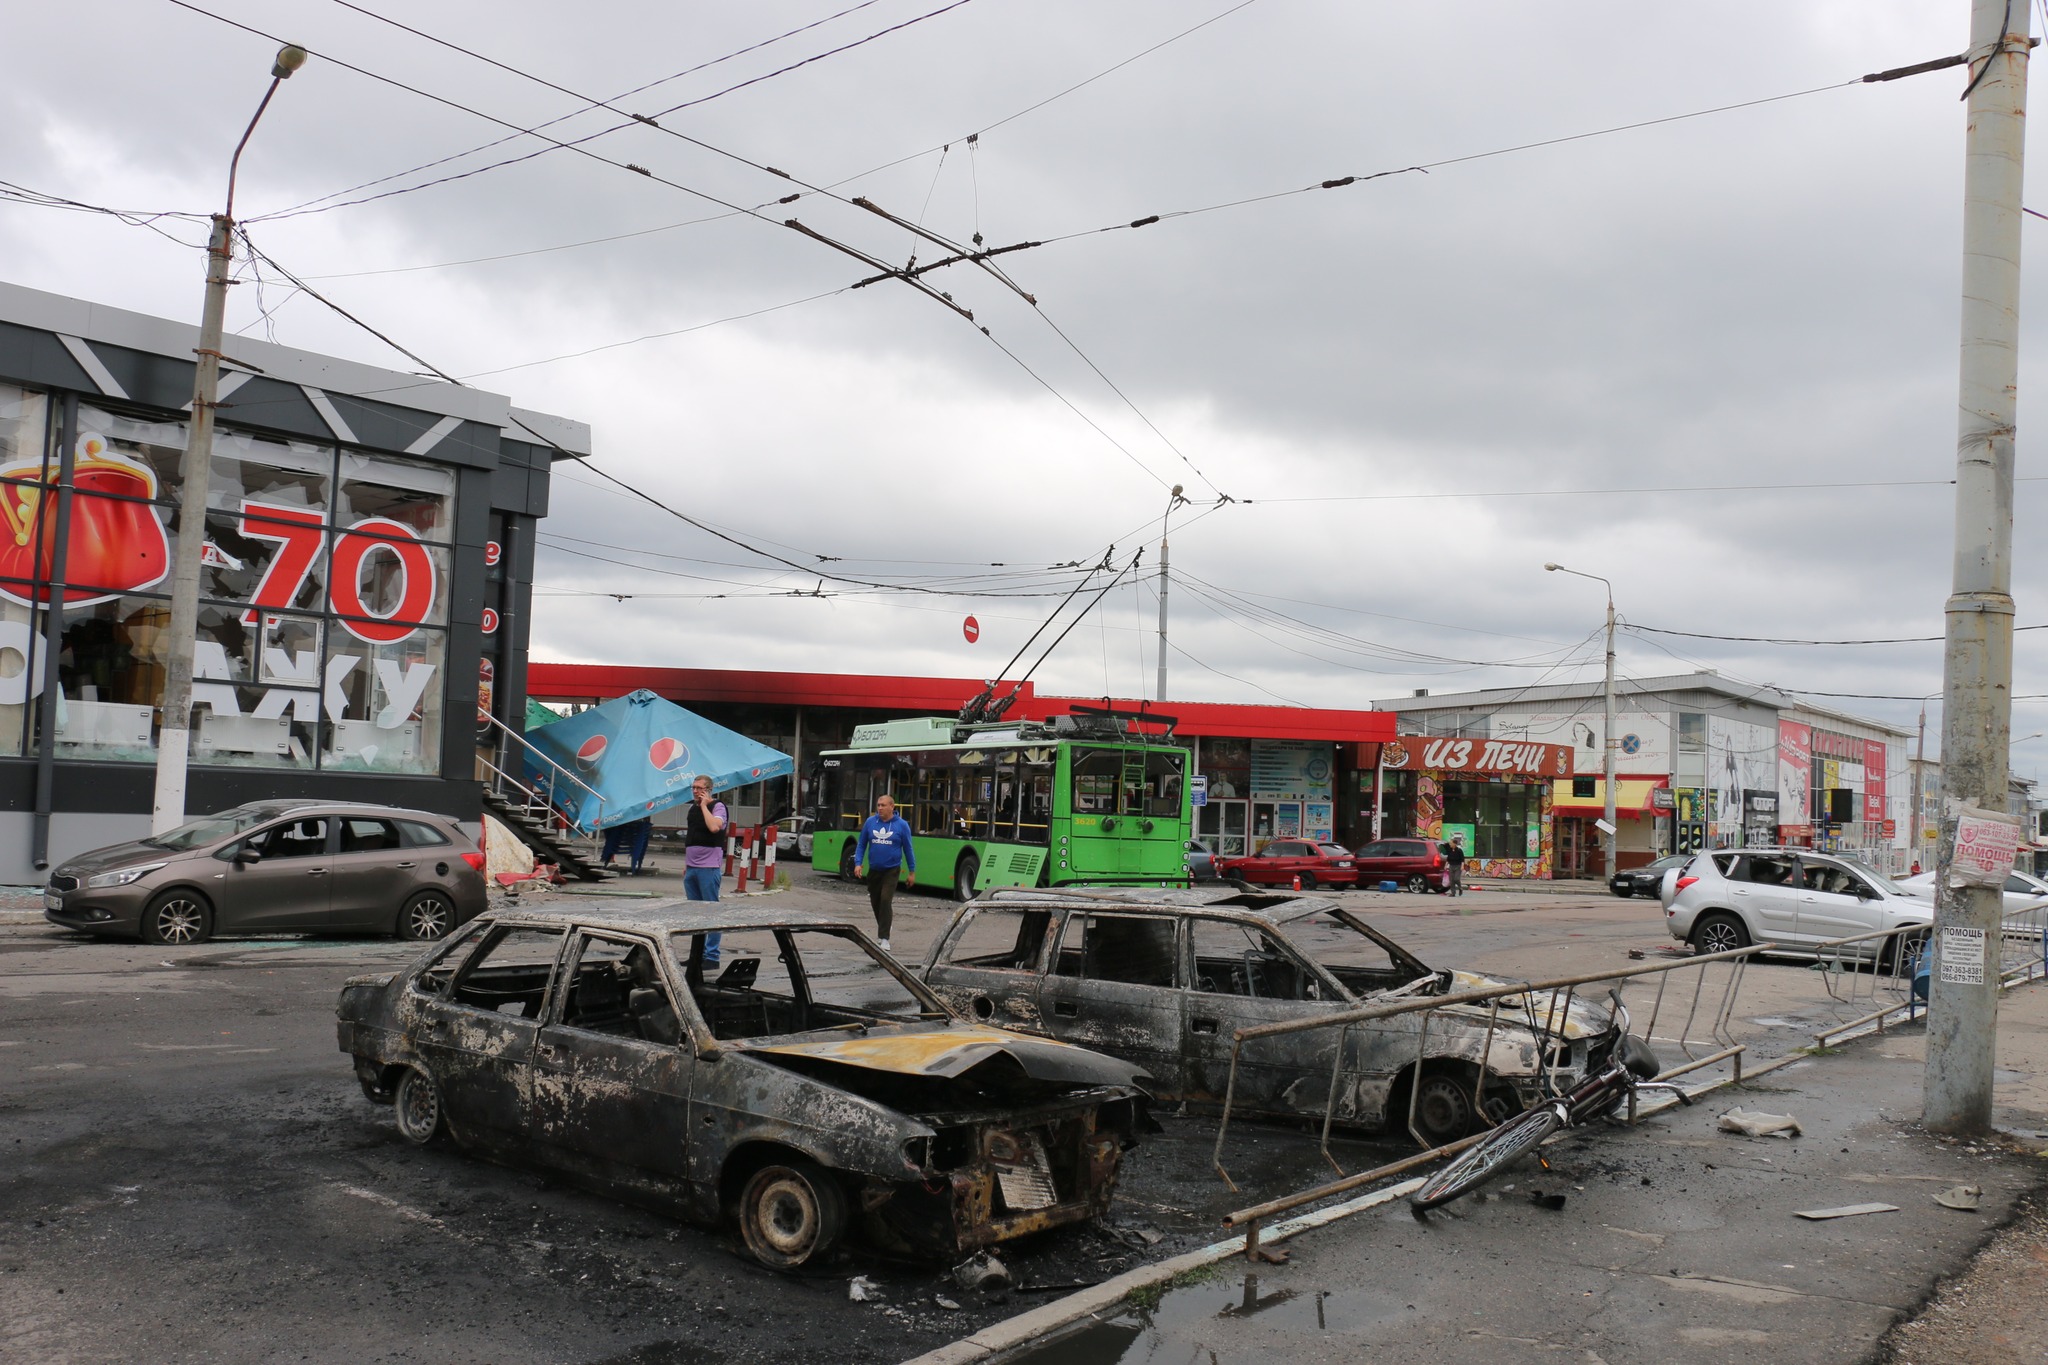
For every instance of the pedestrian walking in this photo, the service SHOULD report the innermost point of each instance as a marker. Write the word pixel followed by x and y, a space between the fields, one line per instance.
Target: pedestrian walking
pixel 881 855
pixel 628 838
pixel 704 853
pixel 1454 858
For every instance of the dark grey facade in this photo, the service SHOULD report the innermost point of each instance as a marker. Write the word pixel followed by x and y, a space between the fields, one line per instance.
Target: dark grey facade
pixel 370 558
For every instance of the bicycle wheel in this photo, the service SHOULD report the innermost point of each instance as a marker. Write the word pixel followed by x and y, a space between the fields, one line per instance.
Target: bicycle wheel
pixel 1493 1154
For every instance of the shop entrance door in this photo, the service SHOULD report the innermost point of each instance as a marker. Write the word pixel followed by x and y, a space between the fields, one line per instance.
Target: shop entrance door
pixel 1222 827
pixel 1571 848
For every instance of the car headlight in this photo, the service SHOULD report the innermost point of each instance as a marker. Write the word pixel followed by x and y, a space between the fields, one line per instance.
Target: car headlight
pixel 123 876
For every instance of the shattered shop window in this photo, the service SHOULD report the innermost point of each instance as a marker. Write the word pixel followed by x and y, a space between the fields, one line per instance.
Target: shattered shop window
pixel 417 496
pixel 1003 940
pixel 110 672
pixel 256 688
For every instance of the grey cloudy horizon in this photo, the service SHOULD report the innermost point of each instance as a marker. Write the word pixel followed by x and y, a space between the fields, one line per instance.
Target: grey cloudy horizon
pixel 1402 380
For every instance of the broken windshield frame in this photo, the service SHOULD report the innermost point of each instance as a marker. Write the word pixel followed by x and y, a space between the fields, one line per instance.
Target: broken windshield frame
pixel 729 1002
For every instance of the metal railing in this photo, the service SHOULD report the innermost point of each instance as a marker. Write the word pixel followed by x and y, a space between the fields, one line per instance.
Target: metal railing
pixel 535 800
pixel 1892 958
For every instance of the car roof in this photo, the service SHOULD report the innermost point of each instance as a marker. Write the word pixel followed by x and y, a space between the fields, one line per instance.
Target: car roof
pixel 282 805
pixel 670 916
pixel 1274 909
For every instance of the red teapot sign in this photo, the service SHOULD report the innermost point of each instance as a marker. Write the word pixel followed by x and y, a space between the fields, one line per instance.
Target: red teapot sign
pixel 117 544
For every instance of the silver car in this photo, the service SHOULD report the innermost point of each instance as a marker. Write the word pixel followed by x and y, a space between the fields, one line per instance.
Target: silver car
pixel 1795 898
pixel 2023 890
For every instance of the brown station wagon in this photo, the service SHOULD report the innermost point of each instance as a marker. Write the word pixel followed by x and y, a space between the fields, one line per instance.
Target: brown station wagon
pixel 807 1087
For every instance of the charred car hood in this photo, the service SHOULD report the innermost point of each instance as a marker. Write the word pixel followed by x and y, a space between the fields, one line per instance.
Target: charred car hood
pixel 950 1052
pixel 1586 1018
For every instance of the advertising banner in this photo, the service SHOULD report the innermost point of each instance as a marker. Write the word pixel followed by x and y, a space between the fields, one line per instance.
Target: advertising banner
pixel 1795 774
pixel 1874 786
pixel 1987 844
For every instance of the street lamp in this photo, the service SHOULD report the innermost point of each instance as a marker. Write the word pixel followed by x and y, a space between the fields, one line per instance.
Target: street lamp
pixel 173 749
pixel 1173 500
pixel 1608 835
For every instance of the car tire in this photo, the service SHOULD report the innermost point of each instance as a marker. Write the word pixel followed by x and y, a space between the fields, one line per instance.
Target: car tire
pixel 1444 1111
pixel 846 863
pixel 1418 883
pixel 791 1214
pixel 416 1104
pixel 177 919
pixel 964 873
pixel 427 918
pixel 1719 932
pixel 1308 881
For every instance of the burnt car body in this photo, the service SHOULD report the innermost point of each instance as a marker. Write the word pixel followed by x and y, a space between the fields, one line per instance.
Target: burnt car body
pixel 806 1085
pixel 1165 978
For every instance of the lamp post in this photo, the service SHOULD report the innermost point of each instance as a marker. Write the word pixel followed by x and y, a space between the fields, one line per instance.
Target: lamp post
pixel 1608 836
pixel 195 471
pixel 1173 500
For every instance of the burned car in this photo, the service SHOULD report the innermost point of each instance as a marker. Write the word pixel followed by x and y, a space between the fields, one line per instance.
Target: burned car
pixel 805 1085
pixel 1165 978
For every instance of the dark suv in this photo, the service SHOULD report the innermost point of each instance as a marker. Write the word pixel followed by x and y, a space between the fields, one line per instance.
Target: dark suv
pixel 1417 864
pixel 277 867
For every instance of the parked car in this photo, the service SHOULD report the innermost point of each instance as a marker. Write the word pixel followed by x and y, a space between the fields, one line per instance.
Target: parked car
pixel 1795 898
pixel 1164 978
pixel 277 867
pixel 1282 860
pixel 1201 862
pixel 1417 864
pixel 805 1086
pixel 793 837
pixel 1648 879
pixel 2023 890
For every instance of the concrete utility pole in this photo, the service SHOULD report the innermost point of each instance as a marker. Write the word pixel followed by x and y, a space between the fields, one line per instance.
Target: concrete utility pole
pixel 1962 1016
pixel 195 469
pixel 1174 500
pixel 1608 836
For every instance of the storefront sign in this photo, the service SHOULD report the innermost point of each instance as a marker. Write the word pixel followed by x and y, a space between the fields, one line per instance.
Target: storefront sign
pixel 1198 789
pixel 1795 775
pixel 1663 798
pixel 1478 756
pixel 1288 768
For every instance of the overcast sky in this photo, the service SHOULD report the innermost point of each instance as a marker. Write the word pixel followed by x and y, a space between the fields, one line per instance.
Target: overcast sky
pixel 1726 304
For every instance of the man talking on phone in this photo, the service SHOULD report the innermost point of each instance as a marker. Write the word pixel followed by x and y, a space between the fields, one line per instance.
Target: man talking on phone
pixel 883 854
pixel 704 853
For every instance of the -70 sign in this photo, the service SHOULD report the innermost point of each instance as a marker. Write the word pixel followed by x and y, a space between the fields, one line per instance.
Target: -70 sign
pixel 300 537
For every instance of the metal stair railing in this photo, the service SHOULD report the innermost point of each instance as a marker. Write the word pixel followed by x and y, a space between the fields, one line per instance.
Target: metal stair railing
pixel 536 800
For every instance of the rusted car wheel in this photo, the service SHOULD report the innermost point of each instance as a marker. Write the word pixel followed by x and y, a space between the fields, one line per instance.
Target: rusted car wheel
pixel 1443 1107
pixel 177 918
pixel 791 1215
pixel 426 917
pixel 417 1106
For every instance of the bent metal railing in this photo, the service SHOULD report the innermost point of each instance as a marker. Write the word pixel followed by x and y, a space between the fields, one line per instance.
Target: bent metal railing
pixel 1563 991
pixel 1892 956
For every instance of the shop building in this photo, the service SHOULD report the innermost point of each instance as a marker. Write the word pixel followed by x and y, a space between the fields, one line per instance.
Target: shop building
pixel 1700 762
pixel 1270 771
pixel 1496 797
pixel 364 596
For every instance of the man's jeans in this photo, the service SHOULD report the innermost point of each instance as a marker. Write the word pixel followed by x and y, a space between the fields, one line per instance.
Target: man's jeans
pixel 701 884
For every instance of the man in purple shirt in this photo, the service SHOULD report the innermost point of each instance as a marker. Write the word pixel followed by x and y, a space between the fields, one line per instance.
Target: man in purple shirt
pixel 704 853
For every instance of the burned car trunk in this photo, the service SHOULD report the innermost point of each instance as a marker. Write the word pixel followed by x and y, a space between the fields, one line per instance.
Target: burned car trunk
pixel 801 1086
pixel 1165 979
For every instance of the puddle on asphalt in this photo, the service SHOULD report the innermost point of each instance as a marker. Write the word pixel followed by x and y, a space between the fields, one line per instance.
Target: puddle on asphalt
pixel 1146 1336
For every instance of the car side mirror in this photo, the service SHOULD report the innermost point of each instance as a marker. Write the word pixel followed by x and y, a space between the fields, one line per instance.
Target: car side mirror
pixel 246 854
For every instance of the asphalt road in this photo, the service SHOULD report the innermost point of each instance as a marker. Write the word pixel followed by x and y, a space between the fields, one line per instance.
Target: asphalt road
pixel 191 1174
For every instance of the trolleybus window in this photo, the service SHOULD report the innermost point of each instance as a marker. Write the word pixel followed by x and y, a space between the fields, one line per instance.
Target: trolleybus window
pixel 1096 775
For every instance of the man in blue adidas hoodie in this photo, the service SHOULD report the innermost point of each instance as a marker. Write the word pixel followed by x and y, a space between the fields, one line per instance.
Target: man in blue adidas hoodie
pixel 881 855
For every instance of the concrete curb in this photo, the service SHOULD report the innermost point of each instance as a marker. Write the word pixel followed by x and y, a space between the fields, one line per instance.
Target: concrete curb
pixel 22 917
pixel 1025 1328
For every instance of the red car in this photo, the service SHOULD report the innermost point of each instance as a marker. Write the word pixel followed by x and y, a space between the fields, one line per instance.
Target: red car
pixel 1417 864
pixel 1278 863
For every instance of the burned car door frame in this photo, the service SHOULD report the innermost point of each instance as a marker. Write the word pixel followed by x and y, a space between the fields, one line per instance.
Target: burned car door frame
pixel 1257 985
pixel 1113 981
pixel 478 1051
pixel 614 1064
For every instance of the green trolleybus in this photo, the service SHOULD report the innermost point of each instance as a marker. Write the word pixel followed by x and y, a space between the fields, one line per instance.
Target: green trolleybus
pixel 1073 799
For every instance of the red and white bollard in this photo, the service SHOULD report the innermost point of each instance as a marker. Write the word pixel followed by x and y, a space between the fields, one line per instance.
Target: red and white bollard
pixel 746 865
pixel 1297 881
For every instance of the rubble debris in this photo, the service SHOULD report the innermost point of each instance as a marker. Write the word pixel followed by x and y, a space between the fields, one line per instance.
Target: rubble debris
pixel 1755 1123
pixel 1967 1198
pixel 1846 1211
pixel 982 1272
pixel 860 1289
pixel 1553 1202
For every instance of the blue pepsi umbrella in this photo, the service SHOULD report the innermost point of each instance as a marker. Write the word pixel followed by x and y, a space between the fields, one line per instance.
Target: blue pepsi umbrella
pixel 640 753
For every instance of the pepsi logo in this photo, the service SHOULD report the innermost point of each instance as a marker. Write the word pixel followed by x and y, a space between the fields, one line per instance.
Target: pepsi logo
pixel 591 750
pixel 668 753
